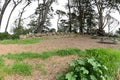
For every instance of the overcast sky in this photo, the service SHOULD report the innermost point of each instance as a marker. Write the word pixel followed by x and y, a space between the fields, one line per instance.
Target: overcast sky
pixel 31 9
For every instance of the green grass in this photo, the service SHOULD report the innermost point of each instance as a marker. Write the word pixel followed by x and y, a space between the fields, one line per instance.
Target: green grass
pixel 1 78
pixel 62 52
pixel 1 61
pixel 19 68
pixel 44 55
pixel 109 57
pixel 22 56
pixel 24 41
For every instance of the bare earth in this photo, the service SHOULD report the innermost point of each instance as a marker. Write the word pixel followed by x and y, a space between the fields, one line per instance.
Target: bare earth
pixel 82 42
pixel 54 64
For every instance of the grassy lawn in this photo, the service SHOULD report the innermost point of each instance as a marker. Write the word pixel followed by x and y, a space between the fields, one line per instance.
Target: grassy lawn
pixel 24 41
pixel 109 57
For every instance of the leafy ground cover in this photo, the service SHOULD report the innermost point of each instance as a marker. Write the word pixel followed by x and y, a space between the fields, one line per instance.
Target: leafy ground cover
pixel 108 57
pixel 24 41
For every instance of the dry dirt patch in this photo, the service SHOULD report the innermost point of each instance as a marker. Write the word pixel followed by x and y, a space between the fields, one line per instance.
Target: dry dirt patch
pixel 82 42
pixel 52 66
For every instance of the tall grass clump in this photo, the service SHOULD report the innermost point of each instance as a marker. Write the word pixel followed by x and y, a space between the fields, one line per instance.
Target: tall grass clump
pixel 61 52
pixel 20 68
pixel 108 57
pixel 23 55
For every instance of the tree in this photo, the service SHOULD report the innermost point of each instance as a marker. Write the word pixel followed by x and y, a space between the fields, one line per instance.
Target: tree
pixel 60 14
pixel 21 13
pixel 3 8
pixel 33 23
pixel 16 3
pixel 64 26
pixel 69 7
pixel 42 12
pixel 88 11
pixel 102 6
pixel 83 10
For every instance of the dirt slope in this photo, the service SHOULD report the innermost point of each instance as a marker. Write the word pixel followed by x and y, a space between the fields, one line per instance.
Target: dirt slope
pixel 82 42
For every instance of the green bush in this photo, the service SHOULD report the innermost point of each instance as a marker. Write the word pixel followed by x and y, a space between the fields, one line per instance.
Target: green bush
pixel 6 35
pixel 86 69
pixel 14 36
pixel 108 57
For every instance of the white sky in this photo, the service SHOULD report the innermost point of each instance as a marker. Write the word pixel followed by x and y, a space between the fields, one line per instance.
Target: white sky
pixel 31 9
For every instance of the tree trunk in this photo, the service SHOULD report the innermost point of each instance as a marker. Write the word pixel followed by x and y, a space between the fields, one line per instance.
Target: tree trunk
pixel 70 27
pixel 58 21
pixel 3 10
pixel 20 18
pixel 9 19
pixel 44 16
pixel 101 20
pixel 15 5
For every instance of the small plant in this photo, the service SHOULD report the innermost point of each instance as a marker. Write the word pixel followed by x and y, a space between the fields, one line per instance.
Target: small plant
pixel 69 51
pixel 1 61
pixel 1 78
pixel 86 69
pixel 21 68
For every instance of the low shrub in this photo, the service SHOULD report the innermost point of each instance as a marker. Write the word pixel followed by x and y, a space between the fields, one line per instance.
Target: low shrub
pixel 86 69
pixel 6 35
pixel 108 57
pixel 14 36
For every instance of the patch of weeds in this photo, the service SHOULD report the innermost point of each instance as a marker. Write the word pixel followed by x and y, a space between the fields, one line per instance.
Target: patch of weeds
pixel 62 52
pixel 23 55
pixel 20 68
pixel 1 61
pixel 24 41
pixel 85 69
pixel 68 51
pixel 109 58
pixel 1 78
pixel 41 68
pixel 45 54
